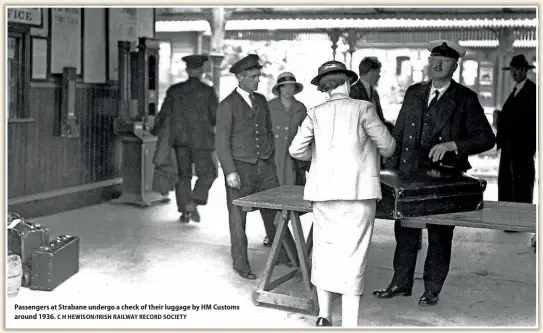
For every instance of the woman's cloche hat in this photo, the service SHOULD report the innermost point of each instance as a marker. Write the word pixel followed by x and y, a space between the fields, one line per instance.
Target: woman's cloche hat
pixel 334 67
pixel 286 78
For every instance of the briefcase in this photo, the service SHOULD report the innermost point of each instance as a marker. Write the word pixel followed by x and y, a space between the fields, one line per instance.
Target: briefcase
pixel 55 263
pixel 24 237
pixel 428 192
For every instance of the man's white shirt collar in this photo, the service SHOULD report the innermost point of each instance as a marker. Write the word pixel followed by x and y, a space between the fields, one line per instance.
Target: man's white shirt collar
pixel 440 90
pixel 520 85
pixel 245 96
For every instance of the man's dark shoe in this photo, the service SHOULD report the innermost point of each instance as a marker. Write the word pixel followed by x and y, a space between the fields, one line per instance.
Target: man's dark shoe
pixel 246 274
pixel 184 218
pixel 323 322
pixel 428 299
pixel 195 216
pixel 267 242
pixel 192 209
pixel 392 291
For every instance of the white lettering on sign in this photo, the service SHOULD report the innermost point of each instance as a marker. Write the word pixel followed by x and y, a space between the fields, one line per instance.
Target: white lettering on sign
pixel 30 16
pixel 65 39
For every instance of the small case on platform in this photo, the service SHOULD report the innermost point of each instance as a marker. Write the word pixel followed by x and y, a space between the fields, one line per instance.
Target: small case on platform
pixel 25 237
pixel 55 263
pixel 428 193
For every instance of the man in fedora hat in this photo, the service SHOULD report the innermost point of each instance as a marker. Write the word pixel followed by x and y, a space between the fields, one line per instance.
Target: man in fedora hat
pixel 516 136
pixel 245 147
pixel 440 123
pixel 191 106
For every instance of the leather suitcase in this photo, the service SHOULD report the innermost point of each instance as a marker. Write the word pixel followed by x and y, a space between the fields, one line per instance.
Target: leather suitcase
pixel 55 263
pixel 24 237
pixel 428 193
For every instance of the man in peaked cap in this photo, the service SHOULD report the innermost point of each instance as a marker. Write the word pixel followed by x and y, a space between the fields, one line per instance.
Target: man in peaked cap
pixel 191 107
pixel 516 136
pixel 440 124
pixel 245 147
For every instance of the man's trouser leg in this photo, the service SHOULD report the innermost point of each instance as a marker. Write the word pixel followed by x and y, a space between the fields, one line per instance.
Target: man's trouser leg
pixel 505 178
pixel 438 258
pixel 206 173
pixel 267 179
pixel 523 180
pixel 237 217
pixel 183 187
pixel 405 255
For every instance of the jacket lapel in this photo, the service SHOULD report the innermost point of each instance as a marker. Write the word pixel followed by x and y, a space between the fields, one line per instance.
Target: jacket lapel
pixel 446 107
pixel 241 101
pixel 417 108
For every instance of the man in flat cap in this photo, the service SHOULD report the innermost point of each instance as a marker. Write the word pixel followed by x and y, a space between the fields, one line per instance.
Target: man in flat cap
pixel 516 136
pixel 245 147
pixel 440 124
pixel 191 107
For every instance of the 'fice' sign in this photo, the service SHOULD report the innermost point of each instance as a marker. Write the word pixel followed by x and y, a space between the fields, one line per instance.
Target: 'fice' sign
pixel 29 16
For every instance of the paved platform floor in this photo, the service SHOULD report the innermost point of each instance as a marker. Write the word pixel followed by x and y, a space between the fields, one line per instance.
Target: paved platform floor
pixel 130 255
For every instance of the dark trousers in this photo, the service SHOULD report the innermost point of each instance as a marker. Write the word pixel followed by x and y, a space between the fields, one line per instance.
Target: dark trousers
pixel 438 258
pixel 205 171
pixel 254 178
pixel 516 178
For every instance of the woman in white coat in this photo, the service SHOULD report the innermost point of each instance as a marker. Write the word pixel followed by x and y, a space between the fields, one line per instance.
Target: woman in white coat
pixel 344 139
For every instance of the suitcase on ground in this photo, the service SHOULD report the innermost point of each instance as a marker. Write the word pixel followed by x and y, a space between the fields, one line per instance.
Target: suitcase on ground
pixel 428 193
pixel 55 263
pixel 24 237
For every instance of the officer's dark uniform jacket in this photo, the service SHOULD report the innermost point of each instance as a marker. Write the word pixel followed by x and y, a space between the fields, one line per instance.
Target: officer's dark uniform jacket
pixel 457 116
pixel 244 133
pixel 192 106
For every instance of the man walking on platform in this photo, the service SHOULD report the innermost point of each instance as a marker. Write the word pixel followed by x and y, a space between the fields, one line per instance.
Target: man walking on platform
pixel 192 107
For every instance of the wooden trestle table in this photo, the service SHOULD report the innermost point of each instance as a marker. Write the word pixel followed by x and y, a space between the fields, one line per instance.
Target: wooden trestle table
pixel 288 201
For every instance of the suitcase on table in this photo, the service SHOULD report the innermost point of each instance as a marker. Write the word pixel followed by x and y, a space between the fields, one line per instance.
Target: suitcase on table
pixel 428 193
pixel 55 263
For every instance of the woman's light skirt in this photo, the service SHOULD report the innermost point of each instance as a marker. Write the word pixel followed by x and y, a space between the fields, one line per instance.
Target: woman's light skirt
pixel 342 231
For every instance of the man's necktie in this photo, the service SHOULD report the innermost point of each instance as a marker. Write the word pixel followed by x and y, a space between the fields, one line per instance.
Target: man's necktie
pixel 434 100
pixel 253 101
pixel 513 93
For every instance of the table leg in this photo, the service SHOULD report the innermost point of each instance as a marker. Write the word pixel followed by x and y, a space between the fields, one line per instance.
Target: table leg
pixel 264 291
pixel 281 223
pixel 304 250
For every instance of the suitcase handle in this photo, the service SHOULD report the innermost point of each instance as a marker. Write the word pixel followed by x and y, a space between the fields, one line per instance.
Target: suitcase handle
pixel 14 222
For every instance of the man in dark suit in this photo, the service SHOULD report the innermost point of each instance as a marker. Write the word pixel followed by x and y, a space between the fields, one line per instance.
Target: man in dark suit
pixel 364 89
pixel 192 106
pixel 245 147
pixel 516 136
pixel 440 123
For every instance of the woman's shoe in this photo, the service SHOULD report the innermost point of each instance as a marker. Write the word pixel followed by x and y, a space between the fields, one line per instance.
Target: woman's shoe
pixel 323 322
